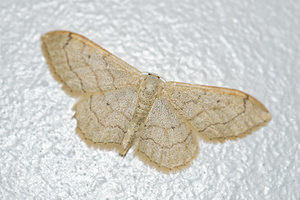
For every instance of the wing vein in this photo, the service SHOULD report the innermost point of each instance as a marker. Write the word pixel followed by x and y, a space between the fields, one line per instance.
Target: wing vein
pixel 69 65
pixel 228 121
pixel 165 146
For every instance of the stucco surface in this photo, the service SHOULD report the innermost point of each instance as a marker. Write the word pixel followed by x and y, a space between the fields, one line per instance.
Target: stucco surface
pixel 248 45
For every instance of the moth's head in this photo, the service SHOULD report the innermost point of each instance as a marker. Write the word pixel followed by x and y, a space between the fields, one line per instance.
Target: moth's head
pixel 153 75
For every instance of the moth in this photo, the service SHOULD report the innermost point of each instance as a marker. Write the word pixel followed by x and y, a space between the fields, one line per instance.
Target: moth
pixel 120 107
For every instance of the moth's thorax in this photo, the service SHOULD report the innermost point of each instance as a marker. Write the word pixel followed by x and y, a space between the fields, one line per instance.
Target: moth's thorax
pixel 149 87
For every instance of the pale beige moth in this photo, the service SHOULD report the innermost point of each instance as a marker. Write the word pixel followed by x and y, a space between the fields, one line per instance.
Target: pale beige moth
pixel 120 107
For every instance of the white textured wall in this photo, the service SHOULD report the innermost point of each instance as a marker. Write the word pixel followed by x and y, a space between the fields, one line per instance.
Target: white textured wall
pixel 252 46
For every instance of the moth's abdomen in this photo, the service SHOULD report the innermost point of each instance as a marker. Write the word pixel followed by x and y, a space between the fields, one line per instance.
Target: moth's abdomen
pixel 148 91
